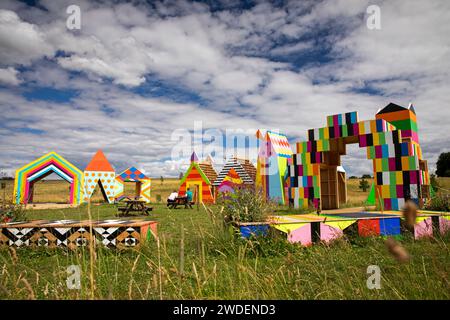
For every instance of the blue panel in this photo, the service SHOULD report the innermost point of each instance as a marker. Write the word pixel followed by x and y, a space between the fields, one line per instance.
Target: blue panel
pixel 390 226
pixel 385 150
pixel 247 231
pixel 379 124
pixel 305 181
pixel 404 149
pixel 353 115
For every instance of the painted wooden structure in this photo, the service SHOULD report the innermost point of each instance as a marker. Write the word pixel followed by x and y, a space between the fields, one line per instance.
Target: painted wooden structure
pixel 74 234
pixel 42 167
pixel 199 177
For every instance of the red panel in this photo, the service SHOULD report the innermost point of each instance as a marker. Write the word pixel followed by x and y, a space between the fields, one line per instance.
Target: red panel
pixel 369 227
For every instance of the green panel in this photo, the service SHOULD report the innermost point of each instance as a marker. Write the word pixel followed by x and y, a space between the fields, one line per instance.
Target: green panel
pixel 371 198
pixel 330 121
pixel 406 124
pixel 385 164
pixel 344 131
pixel 392 178
pixel 393 191
pixel 326 145
pixel 382 138
pixel 321 133
pixel 412 163
pixel 317 192
pixel 371 152
pixel 315 181
pixel 300 203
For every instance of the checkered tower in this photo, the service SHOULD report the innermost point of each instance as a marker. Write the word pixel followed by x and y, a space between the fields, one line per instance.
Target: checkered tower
pixel 392 143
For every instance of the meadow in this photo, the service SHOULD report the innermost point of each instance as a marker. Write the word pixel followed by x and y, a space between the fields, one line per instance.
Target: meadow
pixel 197 258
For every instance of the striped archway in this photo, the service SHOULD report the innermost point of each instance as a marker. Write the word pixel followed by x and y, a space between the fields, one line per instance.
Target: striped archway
pixel 43 167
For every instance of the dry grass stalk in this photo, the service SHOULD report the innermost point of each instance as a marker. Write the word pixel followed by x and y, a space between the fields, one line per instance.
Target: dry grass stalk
pixel 397 250
pixel 410 214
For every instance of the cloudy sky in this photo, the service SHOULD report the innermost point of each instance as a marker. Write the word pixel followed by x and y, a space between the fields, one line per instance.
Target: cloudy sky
pixel 137 76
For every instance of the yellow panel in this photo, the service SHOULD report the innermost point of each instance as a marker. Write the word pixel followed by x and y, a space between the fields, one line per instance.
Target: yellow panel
pixel 399 177
pixel 385 191
pixel 286 228
pixel 378 165
pixel 341 224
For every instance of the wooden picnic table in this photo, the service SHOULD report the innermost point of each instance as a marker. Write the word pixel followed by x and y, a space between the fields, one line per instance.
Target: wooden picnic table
pixel 180 201
pixel 133 205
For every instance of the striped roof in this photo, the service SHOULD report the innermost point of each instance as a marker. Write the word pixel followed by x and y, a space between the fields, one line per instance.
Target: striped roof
pixel 208 170
pixel 279 143
pixel 205 170
pixel 244 168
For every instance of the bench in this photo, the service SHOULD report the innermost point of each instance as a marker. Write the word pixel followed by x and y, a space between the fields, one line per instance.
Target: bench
pixel 126 207
pixel 180 201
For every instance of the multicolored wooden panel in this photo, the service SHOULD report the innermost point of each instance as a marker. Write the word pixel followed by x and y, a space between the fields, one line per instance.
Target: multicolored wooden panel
pixel 134 175
pixel 308 229
pixel 392 144
pixel 273 155
pixel 99 172
pixel 74 234
pixel 43 167
pixel 196 177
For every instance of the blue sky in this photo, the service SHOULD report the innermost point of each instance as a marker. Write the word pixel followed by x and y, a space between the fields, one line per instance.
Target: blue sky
pixel 137 76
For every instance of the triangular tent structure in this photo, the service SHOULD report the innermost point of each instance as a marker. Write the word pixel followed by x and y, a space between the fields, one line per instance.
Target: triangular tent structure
pixel 199 176
pixel 235 173
pixel 43 167
pixel 273 155
pixel 99 171
pixel 143 184
pixel 371 199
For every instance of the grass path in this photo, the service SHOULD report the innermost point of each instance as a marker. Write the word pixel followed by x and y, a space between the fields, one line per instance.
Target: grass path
pixel 197 259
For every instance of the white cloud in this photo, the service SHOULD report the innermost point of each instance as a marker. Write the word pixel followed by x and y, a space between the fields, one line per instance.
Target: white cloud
pixel 9 76
pixel 225 59
pixel 20 42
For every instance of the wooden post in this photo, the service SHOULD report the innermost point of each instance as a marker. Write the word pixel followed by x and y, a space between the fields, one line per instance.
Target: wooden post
pixel 4 193
pixel 198 197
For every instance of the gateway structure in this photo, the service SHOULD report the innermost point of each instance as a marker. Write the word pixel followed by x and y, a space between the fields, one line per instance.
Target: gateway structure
pixel 390 140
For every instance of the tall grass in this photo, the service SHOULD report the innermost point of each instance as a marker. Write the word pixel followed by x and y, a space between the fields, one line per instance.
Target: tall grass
pixel 197 258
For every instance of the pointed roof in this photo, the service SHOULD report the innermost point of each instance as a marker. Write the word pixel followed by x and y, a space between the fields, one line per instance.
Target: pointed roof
pixel 132 174
pixel 194 157
pixel 280 144
pixel 243 167
pixel 99 163
pixel 392 107
pixel 208 170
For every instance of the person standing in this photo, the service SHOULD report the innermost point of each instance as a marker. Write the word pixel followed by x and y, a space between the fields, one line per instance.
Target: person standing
pixel 189 195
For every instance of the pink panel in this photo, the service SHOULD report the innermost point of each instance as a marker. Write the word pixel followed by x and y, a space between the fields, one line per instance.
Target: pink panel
pixel 413 177
pixel 362 140
pixel 423 229
pixel 328 233
pixel 302 235
pixel 378 152
pixel 391 164
pixel 444 225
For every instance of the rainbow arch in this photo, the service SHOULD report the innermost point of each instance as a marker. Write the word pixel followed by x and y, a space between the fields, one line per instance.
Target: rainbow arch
pixel 41 168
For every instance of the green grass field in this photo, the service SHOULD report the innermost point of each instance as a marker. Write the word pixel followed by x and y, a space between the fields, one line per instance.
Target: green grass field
pixel 196 258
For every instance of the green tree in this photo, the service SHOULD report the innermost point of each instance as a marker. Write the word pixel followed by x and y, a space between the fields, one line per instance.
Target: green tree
pixel 443 165
pixel 366 176
pixel 363 185
pixel 162 180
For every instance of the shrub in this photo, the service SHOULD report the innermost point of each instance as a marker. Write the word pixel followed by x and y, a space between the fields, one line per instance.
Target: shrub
pixel 12 213
pixel 246 205
pixel 439 203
